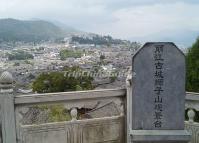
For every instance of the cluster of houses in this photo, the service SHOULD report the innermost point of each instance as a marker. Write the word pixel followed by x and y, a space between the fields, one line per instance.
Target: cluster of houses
pixel 47 58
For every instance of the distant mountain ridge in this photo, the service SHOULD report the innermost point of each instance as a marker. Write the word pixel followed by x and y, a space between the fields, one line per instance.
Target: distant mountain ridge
pixel 30 31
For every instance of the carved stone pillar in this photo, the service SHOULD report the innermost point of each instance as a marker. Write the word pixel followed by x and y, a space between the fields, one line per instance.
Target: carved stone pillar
pixel 8 131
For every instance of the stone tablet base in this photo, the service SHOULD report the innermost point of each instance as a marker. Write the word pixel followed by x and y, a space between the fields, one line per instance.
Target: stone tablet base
pixel 160 136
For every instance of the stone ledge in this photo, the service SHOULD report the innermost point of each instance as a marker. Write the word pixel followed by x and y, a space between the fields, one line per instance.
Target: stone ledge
pixel 160 135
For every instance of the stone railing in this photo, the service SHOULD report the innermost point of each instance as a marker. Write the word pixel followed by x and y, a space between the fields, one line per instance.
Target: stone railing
pixel 102 122
pixel 192 107
pixel 73 117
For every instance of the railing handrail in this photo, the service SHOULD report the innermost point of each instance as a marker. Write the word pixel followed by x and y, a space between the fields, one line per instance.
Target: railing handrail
pixel 68 96
pixel 192 93
pixel 80 95
pixel 192 96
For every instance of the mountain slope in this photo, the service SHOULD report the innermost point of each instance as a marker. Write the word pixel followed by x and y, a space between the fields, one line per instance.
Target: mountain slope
pixel 67 29
pixel 28 31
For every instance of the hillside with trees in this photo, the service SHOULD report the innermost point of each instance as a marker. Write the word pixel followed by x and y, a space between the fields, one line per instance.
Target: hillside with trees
pixel 29 31
pixel 97 40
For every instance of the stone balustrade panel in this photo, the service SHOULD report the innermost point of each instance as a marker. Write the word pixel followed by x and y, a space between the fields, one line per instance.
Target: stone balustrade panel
pixel 49 120
pixel 108 129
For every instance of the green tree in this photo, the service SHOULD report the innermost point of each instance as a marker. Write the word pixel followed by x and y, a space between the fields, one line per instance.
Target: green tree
pixel 102 57
pixel 64 54
pixel 16 64
pixel 61 82
pixel 19 55
pixel 192 67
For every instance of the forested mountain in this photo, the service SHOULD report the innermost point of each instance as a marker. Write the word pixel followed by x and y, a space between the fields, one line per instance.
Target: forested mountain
pixel 98 40
pixel 39 30
pixel 29 31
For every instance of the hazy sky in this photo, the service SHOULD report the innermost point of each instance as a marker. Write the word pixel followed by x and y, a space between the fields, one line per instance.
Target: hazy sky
pixel 142 20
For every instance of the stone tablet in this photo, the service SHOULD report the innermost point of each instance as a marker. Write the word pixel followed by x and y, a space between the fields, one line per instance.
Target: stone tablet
pixel 158 87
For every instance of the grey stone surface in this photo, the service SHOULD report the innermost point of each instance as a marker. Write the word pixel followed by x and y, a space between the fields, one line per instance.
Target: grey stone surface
pixel 160 135
pixel 103 130
pixel 98 130
pixel 168 114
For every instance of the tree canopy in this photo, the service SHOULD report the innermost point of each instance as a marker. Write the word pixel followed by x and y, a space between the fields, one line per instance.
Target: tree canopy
pixel 61 82
pixel 192 67
pixel 97 40
pixel 19 55
pixel 64 54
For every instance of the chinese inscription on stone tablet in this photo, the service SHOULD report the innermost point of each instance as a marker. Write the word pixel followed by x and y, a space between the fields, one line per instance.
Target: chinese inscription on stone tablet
pixel 158 85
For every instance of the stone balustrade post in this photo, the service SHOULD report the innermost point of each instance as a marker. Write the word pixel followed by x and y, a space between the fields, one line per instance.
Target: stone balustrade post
pixel 128 102
pixel 8 131
pixel 73 114
pixel 191 115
